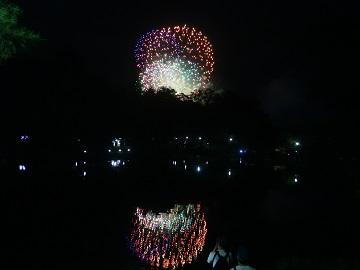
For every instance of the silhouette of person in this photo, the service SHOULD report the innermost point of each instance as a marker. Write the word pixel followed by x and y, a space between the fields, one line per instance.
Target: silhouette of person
pixel 220 247
pixel 242 257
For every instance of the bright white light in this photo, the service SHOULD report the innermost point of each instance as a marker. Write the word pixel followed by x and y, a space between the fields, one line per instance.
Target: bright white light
pixel 119 150
pixel 295 180
pixel 230 139
pixel 109 150
pixel 241 151
pixel 229 172
pixel 182 76
pixel 76 163
pixel 84 151
pixel 115 163
pixel 22 167
pixel 297 143
pixel 198 168
pixel 199 138
pixel 84 173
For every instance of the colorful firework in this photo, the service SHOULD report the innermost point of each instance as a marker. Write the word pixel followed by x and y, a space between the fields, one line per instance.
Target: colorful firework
pixel 195 47
pixel 184 52
pixel 155 45
pixel 169 239
pixel 178 74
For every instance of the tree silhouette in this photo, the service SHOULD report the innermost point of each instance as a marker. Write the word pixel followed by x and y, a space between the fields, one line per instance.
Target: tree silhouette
pixel 14 38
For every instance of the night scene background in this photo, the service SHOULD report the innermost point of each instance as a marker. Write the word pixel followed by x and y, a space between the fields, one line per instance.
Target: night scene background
pixel 269 148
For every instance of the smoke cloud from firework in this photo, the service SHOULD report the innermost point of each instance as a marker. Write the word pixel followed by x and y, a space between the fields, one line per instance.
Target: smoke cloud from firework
pixel 179 58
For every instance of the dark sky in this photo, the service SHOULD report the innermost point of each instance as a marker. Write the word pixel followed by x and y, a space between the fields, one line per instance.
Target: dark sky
pixel 299 58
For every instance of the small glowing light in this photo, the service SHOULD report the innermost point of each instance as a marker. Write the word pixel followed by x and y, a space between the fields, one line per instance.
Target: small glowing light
pixel 22 167
pixel 128 149
pixel 116 163
pixel 76 163
pixel 84 173
pixel 297 143
pixel 119 150
pixel 230 139
pixel 240 160
pixel 109 150
pixel 185 166
pixel 199 138
pixel 84 151
pixel 186 137
pixel 241 151
pixel 198 168
pixel 295 180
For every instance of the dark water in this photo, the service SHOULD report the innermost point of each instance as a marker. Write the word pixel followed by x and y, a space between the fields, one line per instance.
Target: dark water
pixel 61 219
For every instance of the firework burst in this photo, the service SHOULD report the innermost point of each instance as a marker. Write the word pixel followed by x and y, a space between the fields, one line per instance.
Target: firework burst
pixel 195 47
pixel 178 74
pixel 154 46
pixel 178 58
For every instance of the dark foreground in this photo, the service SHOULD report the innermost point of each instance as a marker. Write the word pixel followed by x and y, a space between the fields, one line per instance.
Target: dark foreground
pixel 66 221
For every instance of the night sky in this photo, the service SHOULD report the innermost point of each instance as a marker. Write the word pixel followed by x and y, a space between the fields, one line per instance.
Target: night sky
pixel 300 59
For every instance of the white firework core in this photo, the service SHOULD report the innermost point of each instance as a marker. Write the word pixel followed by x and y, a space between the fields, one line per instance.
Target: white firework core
pixel 181 75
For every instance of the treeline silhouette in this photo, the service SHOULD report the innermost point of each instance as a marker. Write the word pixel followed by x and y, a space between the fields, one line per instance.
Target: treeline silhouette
pixel 53 94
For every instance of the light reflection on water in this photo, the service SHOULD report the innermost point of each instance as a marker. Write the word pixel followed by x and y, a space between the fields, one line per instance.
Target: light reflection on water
pixel 189 168
pixel 269 200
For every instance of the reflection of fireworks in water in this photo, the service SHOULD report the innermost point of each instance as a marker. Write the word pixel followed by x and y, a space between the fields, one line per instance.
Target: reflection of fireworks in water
pixel 186 47
pixel 168 239
pixel 173 74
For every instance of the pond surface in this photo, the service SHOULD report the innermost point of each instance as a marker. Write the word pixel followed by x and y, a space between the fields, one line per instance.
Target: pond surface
pixel 64 219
